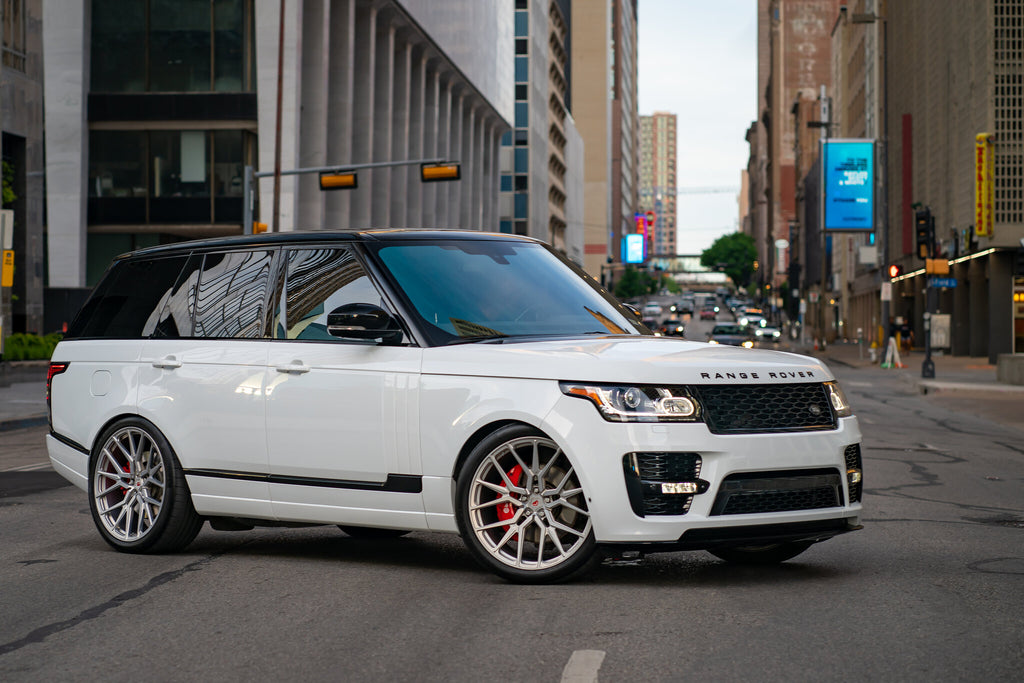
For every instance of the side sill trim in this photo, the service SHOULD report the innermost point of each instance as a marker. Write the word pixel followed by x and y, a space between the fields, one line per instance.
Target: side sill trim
pixel 70 443
pixel 395 483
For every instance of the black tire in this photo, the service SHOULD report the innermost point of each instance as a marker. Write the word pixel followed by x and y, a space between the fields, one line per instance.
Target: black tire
pixel 144 505
pixel 372 533
pixel 773 553
pixel 549 536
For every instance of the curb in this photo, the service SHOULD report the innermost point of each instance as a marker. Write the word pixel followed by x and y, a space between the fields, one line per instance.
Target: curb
pixel 929 387
pixel 22 422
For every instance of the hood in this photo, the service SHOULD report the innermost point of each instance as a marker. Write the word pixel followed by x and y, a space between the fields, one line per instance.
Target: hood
pixel 640 359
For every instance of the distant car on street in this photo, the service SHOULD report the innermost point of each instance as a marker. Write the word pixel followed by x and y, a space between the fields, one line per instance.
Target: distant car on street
pixel 730 334
pixel 708 312
pixel 768 333
pixel 652 309
pixel 673 328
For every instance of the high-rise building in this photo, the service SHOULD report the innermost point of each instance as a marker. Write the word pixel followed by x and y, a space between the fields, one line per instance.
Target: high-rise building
pixel 542 157
pixel 21 144
pixel 155 108
pixel 604 98
pixel 658 179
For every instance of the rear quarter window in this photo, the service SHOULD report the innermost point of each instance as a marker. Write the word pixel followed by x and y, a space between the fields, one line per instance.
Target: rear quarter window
pixel 132 294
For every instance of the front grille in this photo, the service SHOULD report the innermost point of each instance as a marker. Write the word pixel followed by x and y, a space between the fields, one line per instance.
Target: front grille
pixel 853 463
pixel 787 491
pixel 645 472
pixel 759 408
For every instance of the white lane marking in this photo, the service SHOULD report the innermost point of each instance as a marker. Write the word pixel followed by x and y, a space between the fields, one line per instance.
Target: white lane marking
pixel 583 666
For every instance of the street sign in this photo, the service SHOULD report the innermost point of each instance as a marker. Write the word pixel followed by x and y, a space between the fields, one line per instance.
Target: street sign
pixel 942 282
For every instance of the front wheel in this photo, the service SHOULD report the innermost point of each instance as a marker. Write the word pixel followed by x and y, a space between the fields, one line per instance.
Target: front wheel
pixel 773 553
pixel 521 508
pixel 137 492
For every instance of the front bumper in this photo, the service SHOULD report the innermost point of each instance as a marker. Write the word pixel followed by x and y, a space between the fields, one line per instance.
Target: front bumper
pixel 597 449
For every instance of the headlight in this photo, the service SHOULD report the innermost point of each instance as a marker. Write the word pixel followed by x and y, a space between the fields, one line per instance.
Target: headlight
pixel 640 403
pixel 838 399
pixel 747 344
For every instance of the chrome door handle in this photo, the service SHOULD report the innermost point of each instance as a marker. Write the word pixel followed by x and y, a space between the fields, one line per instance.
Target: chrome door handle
pixel 294 368
pixel 167 363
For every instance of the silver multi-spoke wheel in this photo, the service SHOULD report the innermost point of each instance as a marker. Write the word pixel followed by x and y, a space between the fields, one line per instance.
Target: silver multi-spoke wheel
pixel 526 508
pixel 129 484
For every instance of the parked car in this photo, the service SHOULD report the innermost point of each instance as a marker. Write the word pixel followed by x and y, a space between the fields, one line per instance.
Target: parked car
pixel 731 334
pixel 448 381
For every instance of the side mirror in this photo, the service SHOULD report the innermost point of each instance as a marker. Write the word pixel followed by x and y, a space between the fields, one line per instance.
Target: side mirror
pixel 634 310
pixel 363 321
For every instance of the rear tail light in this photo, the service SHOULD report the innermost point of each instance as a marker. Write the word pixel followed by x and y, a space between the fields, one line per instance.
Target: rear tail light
pixel 54 370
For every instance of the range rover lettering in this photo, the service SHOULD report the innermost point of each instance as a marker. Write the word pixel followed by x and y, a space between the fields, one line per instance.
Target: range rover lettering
pixel 449 381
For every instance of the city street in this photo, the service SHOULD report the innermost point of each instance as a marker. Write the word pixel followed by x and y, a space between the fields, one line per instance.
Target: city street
pixel 931 588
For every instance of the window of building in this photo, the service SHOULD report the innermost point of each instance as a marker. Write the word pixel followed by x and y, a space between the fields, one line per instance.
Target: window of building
pixel 14 34
pixel 166 176
pixel 522 115
pixel 521 91
pixel 521 183
pixel 522 137
pixel 506 182
pixel 520 206
pixel 522 161
pixel 522 69
pixel 521 46
pixel 522 24
pixel 172 46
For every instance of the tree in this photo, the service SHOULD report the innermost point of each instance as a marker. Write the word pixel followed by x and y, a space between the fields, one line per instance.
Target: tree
pixel 734 255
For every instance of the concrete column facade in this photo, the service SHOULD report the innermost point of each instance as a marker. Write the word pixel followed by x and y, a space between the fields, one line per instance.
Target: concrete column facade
pixel 340 129
pixel 469 169
pixel 383 102
pixel 364 95
pixel 442 192
pixel 479 177
pixel 316 45
pixel 431 95
pixel 66 55
pixel 267 31
pixel 1000 304
pixel 455 139
pixel 399 186
pixel 961 331
pixel 417 85
pixel 978 307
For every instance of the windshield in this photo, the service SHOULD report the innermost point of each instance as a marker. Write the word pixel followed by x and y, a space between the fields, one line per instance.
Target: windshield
pixel 464 290
pixel 728 329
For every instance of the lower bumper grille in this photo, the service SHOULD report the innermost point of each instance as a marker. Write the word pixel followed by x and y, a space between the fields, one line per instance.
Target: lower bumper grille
pixel 646 472
pixel 786 491
pixel 853 462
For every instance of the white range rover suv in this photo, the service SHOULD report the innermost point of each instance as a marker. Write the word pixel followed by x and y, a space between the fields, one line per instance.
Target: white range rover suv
pixel 390 381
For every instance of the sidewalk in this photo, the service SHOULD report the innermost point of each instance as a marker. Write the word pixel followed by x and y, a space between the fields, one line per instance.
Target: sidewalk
pixel 23 396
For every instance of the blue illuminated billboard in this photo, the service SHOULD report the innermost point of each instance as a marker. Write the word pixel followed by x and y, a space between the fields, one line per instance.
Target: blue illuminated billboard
pixel 849 184
pixel 633 248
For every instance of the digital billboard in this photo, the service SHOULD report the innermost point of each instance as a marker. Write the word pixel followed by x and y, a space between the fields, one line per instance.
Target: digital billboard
pixel 849 184
pixel 633 248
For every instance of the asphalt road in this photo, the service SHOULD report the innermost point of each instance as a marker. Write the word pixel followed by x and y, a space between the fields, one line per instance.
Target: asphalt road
pixel 931 589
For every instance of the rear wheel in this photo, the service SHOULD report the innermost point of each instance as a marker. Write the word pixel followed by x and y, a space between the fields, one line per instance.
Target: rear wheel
pixel 521 508
pixel 762 554
pixel 137 491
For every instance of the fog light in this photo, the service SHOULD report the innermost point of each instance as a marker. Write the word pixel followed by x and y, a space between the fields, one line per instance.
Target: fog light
pixel 679 487
pixel 854 476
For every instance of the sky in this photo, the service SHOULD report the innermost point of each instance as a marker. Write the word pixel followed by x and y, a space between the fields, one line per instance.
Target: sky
pixel 698 60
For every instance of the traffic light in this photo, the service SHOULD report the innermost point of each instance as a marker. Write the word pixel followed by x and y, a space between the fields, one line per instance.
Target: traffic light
pixel 258 227
pixel 895 271
pixel 924 230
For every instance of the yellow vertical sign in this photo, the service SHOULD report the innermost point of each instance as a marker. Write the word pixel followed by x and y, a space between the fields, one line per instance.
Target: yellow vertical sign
pixel 984 186
pixel 7 269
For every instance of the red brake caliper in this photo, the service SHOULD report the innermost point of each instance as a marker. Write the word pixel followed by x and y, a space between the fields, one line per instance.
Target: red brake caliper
pixel 505 510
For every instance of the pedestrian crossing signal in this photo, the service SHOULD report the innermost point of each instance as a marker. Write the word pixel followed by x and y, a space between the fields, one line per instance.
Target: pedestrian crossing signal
pixel 895 271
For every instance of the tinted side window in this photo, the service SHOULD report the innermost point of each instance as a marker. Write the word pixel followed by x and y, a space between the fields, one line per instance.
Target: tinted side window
pixel 231 294
pixel 316 282
pixel 175 319
pixel 130 296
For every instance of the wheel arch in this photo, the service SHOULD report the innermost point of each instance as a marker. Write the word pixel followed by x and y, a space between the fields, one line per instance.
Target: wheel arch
pixel 478 436
pixel 110 421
